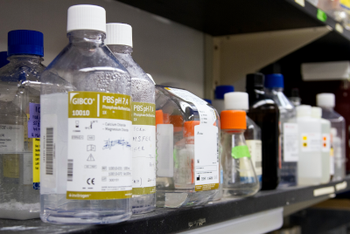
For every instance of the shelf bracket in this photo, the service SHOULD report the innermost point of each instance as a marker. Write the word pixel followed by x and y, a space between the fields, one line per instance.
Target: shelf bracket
pixel 230 58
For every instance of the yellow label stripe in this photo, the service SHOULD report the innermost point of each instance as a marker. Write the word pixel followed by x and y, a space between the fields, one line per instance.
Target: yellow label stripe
pixel 72 195
pixel 206 187
pixel 36 160
pixel 142 191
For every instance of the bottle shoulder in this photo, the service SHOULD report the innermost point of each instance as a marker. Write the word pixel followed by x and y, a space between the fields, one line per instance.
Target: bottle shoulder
pixel 90 68
pixel 21 70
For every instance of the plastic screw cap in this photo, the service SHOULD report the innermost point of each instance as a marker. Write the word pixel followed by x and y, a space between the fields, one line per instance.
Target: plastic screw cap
pixel 86 17
pixel 220 90
pixel 274 81
pixel 118 34
pixel 325 100
pixel 255 80
pixel 3 58
pixel 236 101
pixel 316 112
pixel 303 111
pixel 233 119
pixel 159 117
pixel 25 42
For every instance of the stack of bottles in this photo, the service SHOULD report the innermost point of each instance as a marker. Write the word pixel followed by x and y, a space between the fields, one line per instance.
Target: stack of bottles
pixel 92 139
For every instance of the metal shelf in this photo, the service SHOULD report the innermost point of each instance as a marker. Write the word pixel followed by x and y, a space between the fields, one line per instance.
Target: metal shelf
pixel 164 220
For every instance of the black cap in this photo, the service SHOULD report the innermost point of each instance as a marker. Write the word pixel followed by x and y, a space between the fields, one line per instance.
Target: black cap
pixel 255 80
pixel 295 92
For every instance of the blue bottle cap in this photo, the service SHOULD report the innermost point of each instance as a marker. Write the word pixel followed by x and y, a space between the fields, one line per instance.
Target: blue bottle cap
pixel 222 89
pixel 3 58
pixel 25 42
pixel 274 81
pixel 208 100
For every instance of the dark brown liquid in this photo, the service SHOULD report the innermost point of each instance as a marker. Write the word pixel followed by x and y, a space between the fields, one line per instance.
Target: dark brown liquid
pixel 264 112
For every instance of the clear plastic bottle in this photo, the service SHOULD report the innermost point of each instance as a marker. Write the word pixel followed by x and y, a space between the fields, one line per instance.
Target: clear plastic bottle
pixel 188 174
pixel 310 159
pixel 239 175
pixel 327 102
pixel 3 58
pixel 119 41
pixel 252 134
pixel 220 91
pixel 295 98
pixel 316 112
pixel 20 125
pixel 20 105
pixel 264 112
pixel 288 141
pixel 86 128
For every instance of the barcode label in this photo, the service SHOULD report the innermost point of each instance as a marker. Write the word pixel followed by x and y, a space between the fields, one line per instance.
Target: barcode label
pixel 70 170
pixel 49 151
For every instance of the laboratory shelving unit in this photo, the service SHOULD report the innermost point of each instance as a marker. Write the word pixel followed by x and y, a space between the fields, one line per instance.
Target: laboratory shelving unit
pixel 241 36
pixel 257 214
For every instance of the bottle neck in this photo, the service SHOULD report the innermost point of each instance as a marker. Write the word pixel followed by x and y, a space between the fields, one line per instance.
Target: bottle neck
pixel 120 49
pixel 25 57
pixel 328 108
pixel 87 37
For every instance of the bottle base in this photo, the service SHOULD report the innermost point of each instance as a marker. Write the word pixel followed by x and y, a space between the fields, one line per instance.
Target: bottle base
pixel 184 198
pixel 143 203
pixel 239 192
pixel 83 217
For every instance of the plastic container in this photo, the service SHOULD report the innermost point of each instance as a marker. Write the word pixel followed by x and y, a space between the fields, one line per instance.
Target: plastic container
pixel 119 41
pixel 3 58
pixel 316 112
pixel 252 134
pixel 20 126
pixel 327 102
pixel 295 98
pixel 288 141
pixel 220 91
pixel 310 159
pixel 188 166
pixel 264 112
pixel 86 126
pixel 239 175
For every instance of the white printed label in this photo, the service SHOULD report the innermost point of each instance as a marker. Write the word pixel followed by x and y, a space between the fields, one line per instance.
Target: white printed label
pixel 255 151
pixel 206 113
pixel 290 142
pixel 48 133
pixel 310 142
pixel 326 143
pixel 143 149
pixel 11 138
pixel 206 155
pixel 165 148
pixel 100 152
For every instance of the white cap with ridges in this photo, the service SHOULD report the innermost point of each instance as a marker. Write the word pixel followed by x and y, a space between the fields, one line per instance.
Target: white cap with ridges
pixel 316 112
pixel 119 34
pixel 236 101
pixel 303 111
pixel 325 100
pixel 86 17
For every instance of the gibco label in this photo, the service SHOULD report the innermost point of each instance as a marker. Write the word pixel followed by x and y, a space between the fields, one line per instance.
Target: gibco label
pixel 143 148
pixel 99 146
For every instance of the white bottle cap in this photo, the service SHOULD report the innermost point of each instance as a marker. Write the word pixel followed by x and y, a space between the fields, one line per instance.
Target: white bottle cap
pixel 236 101
pixel 316 112
pixel 325 100
pixel 86 17
pixel 119 34
pixel 303 111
